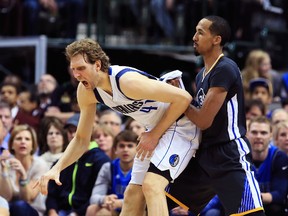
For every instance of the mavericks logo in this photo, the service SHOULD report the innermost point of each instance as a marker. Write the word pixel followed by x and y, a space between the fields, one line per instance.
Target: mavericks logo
pixel 174 160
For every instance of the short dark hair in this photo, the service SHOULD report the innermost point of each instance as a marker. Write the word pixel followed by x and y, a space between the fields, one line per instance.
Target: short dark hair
pixel 220 27
pixel 127 136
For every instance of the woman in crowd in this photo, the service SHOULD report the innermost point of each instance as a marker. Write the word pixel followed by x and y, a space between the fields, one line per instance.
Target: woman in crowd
pixel 23 171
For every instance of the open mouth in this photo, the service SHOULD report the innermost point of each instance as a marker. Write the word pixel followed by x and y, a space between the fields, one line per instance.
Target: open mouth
pixel 85 83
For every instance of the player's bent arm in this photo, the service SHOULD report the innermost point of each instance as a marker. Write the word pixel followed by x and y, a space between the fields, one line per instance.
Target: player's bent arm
pixel 137 86
pixel 204 116
pixel 80 143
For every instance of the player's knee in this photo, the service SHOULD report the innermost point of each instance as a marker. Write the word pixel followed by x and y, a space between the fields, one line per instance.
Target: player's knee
pixel 151 188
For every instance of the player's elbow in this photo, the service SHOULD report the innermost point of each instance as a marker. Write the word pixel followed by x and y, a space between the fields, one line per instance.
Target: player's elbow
pixel 187 98
pixel 203 125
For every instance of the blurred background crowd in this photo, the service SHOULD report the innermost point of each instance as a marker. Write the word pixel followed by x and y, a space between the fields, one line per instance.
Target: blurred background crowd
pixel 38 118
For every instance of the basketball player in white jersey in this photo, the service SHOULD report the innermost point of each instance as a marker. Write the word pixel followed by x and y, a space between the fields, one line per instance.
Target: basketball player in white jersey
pixel 163 151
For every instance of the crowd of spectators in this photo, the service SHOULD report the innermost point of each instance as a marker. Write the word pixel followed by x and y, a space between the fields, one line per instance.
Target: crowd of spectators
pixel 38 120
pixel 166 21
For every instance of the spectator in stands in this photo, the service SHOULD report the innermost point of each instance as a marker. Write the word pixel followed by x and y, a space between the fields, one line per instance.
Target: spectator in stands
pixel 24 170
pixel 134 126
pixel 72 197
pixel 261 89
pixel 45 87
pixel 113 178
pixel 5 192
pixel 104 137
pixel 254 108
pixel 15 79
pixel 280 136
pixel 68 11
pixel 55 143
pixel 258 65
pixel 29 111
pixel 63 100
pixel 111 119
pixel 9 94
pixel 279 115
pixel 7 120
pixel 270 166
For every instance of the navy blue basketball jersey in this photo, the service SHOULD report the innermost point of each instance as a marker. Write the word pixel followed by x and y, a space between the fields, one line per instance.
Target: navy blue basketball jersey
pixel 230 121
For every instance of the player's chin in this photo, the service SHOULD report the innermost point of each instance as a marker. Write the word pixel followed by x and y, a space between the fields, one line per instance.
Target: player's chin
pixel 196 52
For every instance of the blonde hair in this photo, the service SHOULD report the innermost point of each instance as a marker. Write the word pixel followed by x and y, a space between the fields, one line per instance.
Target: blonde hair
pixel 91 52
pixel 250 71
pixel 277 128
pixel 16 130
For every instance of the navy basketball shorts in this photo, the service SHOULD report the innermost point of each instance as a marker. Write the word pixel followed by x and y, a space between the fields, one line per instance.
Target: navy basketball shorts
pixel 223 169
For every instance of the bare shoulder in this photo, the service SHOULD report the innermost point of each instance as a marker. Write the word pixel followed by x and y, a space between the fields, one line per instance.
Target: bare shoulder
pixel 85 96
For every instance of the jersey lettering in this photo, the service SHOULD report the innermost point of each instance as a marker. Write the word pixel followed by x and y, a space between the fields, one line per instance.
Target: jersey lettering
pixel 128 108
pixel 147 109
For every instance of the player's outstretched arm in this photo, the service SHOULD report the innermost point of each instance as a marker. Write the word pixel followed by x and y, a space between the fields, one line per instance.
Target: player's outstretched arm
pixel 79 144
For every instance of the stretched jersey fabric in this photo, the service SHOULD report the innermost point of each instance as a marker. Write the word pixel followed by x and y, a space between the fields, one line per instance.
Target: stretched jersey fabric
pixel 147 112
pixel 178 143
pixel 231 115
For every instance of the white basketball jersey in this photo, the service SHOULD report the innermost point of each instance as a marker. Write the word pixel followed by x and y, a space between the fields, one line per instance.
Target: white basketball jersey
pixel 176 146
pixel 146 112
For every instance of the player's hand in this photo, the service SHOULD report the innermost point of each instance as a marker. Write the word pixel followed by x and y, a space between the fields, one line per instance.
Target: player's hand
pixel 109 202
pixel 179 211
pixel 42 183
pixel 146 146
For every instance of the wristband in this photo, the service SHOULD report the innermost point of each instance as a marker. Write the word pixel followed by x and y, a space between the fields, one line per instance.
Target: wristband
pixel 4 175
pixel 23 182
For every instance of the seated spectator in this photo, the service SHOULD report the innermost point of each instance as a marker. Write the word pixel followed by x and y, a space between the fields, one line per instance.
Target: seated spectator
pixel 111 119
pixel 72 197
pixel 132 125
pixel 7 120
pixel 45 87
pixel 69 11
pixel 104 137
pixel 280 136
pixel 254 108
pixel 258 65
pixel 24 170
pixel 63 99
pixel 113 178
pixel 261 89
pixel 29 111
pixel 279 115
pixel 55 143
pixel 270 165
pixel 9 94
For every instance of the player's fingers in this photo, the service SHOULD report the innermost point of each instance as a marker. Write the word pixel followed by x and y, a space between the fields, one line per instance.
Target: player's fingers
pixel 58 182
pixel 43 185
pixel 149 154
pixel 37 184
pixel 139 153
pixel 143 155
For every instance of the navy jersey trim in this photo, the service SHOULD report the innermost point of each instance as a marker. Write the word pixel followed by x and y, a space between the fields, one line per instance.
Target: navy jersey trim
pixel 120 73
pixel 97 95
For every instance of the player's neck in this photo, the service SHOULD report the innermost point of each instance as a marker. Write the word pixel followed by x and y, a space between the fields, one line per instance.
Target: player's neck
pixel 211 60
pixel 106 84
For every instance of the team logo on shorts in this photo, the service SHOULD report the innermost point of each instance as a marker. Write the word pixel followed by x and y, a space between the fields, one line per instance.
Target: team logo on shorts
pixel 174 160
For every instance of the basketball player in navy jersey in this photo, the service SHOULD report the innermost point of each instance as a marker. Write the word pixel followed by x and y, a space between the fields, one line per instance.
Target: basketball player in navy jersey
pixel 222 164
pixel 163 151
